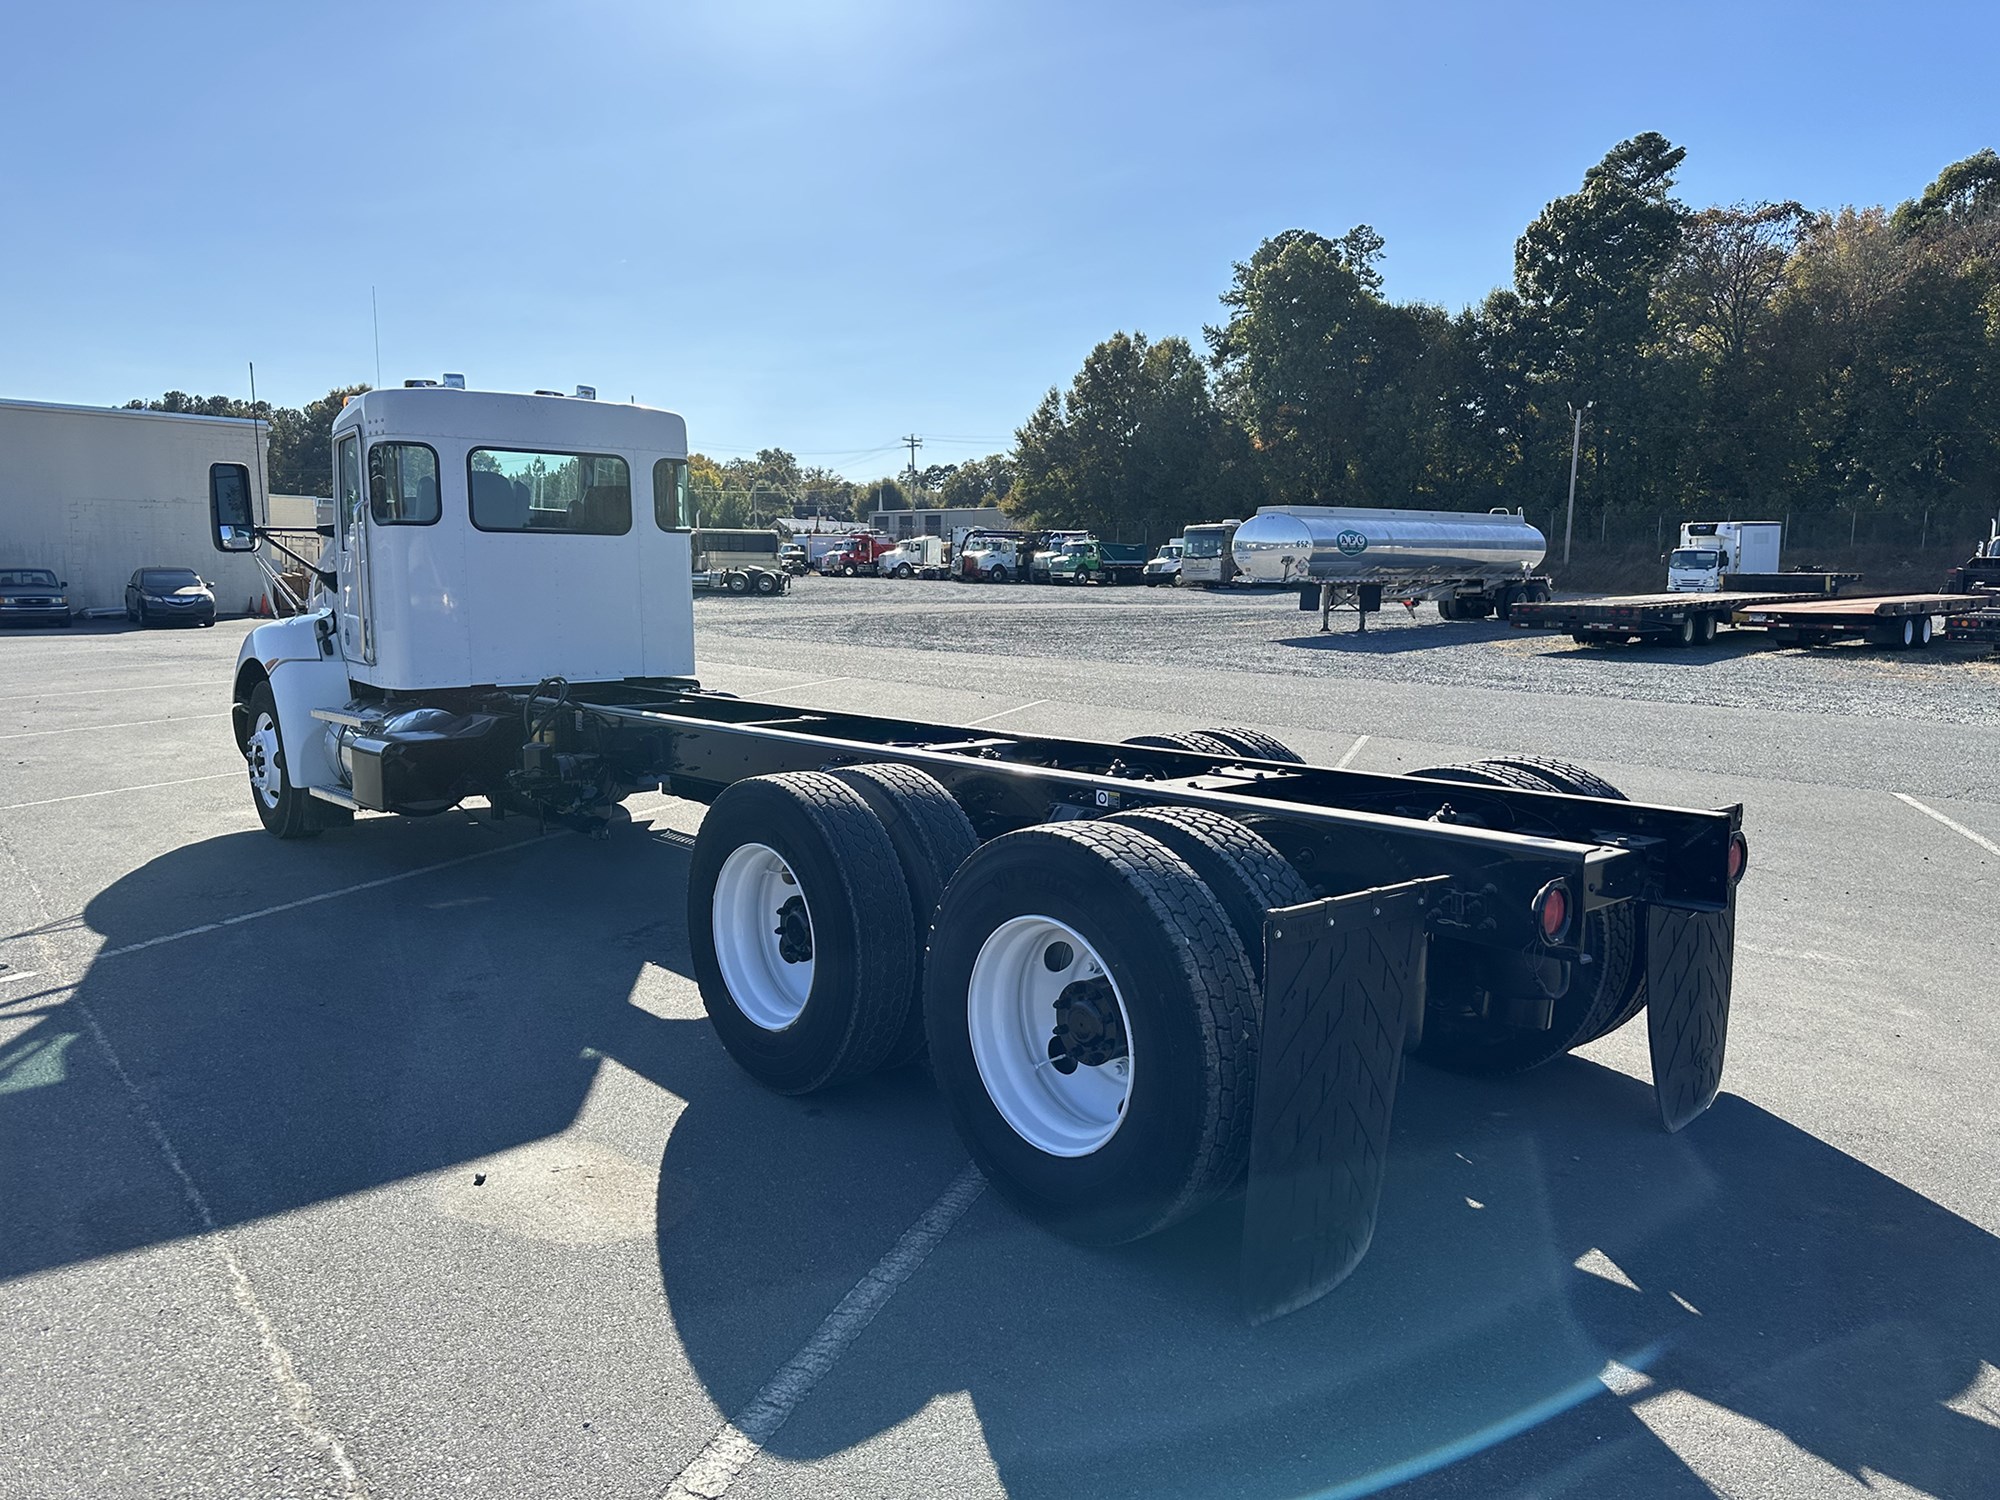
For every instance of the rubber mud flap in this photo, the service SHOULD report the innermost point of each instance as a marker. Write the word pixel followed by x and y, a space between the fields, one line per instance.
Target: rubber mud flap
pixel 1341 977
pixel 1689 955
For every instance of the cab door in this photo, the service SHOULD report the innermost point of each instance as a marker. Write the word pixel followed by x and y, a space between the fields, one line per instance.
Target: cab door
pixel 357 618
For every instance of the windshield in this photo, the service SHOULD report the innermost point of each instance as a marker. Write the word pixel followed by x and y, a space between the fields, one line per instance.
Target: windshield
pixel 165 580
pixel 1695 557
pixel 1207 545
pixel 27 578
pixel 1075 549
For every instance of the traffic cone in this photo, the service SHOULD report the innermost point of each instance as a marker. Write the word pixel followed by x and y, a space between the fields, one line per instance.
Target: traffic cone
pixel 264 606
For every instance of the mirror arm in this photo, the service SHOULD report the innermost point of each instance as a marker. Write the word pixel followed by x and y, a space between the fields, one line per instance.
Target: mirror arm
pixel 330 579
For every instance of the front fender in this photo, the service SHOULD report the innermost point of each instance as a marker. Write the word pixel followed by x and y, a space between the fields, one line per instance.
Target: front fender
pixel 302 662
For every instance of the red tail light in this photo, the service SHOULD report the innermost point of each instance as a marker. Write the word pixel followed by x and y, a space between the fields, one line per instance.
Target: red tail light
pixel 1739 857
pixel 1551 908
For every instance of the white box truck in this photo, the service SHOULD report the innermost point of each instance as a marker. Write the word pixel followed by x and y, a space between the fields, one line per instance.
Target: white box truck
pixel 1710 549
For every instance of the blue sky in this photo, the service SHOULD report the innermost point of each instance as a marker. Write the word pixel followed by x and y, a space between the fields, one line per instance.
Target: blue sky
pixel 821 226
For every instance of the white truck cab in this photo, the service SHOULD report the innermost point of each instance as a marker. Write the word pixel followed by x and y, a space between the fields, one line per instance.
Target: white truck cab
pixel 480 539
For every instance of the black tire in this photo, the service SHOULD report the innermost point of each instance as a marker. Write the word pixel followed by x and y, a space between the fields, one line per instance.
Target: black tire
pixel 1447 607
pixel 862 935
pixel 932 837
pixel 996 575
pixel 736 583
pixel 1201 744
pixel 1581 637
pixel 1602 995
pixel 131 615
pixel 288 814
pixel 1705 631
pixel 1503 603
pixel 905 571
pixel 847 570
pixel 1188 992
pixel 1247 875
pixel 1683 632
pixel 1924 631
pixel 764 583
pixel 1255 744
pixel 145 615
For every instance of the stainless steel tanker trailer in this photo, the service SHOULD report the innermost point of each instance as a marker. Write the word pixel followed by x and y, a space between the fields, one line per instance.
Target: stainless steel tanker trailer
pixel 1472 563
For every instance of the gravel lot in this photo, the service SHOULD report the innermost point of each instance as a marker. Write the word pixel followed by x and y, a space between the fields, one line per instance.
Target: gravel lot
pixel 401 1162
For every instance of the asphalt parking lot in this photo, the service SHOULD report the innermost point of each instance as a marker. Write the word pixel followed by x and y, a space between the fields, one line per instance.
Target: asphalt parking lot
pixel 402 1162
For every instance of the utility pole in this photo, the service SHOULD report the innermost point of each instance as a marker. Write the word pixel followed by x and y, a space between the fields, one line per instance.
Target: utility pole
pixel 913 443
pixel 1575 447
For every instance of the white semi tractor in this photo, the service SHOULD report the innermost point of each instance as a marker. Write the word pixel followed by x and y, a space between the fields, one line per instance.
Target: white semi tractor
pixel 1142 972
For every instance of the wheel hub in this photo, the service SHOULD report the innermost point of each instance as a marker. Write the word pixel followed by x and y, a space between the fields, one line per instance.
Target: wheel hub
pixel 1089 1032
pixel 794 930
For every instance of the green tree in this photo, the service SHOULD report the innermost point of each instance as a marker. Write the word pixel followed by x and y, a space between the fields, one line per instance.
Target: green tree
pixel 1135 448
pixel 1586 272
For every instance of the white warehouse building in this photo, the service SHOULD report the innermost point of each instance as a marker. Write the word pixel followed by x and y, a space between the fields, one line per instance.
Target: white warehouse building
pixel 96 492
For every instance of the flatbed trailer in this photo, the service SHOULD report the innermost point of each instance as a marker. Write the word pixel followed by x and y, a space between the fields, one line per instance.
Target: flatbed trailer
pixel 1897 620
pixel 1142 972
pixel 1685 619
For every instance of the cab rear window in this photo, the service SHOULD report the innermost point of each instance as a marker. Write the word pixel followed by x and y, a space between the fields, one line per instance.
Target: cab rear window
pixel 581 493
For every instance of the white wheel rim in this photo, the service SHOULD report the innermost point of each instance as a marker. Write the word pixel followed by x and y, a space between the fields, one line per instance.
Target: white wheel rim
pixel 1011 1015
pixel 261 750
pixel 752 891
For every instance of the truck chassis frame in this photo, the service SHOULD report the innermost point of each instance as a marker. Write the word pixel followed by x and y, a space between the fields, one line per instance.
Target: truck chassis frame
pixel 1408 872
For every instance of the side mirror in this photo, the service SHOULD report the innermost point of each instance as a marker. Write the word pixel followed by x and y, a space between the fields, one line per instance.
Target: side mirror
pixel 232 522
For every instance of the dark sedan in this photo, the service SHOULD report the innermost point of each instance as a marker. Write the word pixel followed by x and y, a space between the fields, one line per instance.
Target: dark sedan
pixel 161 596
pixel 33 596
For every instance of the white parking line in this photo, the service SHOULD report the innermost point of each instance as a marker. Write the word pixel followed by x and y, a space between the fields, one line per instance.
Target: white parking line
pixel 128 724
pixel 1955 826
pixel 743 1437
pixel 1352 751
pixel 17 978
pixel 113 791
pixel 346 890
pixel 1017 708
pixel 793 687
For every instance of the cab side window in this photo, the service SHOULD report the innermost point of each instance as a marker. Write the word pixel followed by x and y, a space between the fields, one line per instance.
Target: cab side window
pixel 403 484
pixel 670 484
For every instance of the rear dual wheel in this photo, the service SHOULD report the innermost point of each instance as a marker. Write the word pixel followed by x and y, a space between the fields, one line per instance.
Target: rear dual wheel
pixel 1092 1015
pixel 1461 1031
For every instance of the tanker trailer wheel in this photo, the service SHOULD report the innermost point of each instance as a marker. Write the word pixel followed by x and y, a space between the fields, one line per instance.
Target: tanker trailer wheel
pixel 1255 744
pixel 284 809
pixel 800 927
pixel 1247 875
pixel 1093 1028
pixel 1602 995
pixel 932 837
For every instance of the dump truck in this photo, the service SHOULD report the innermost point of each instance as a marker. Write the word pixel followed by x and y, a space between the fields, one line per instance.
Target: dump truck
pixel 1143 973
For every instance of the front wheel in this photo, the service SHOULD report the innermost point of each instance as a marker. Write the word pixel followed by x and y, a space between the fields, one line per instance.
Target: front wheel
pixel 996 575
pixel 1093 1028
pixel 905 571
pixel 284 809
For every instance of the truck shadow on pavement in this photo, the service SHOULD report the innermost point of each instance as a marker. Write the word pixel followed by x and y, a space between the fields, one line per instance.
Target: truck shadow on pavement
pixel 1759 1280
